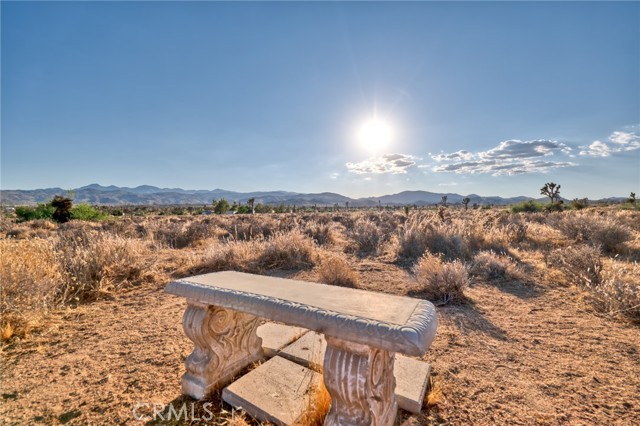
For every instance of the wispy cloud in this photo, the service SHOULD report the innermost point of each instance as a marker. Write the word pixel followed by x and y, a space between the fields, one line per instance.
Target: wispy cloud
pixel 512 149
pixel 508 158
pixel 618 142
pixel 387 163
pixel 459 155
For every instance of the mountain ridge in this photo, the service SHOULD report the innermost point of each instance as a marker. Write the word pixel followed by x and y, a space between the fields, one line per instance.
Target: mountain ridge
pixel 151 195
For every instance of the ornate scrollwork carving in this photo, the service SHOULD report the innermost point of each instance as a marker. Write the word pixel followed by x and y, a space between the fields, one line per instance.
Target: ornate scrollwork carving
pixel 225 342
pixel 361 383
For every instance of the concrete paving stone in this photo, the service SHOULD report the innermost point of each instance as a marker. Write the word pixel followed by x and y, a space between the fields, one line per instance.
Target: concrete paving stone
pixel 278 391
pixel 412 380
pixel 276 336
pixel 412 375
pixel 307 351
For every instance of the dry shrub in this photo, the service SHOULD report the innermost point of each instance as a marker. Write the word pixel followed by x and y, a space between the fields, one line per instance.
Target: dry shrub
pixel 43 224
pixel 322 232
pixel 29 280
pixel 335 270
pixel 231 256
pixel 442 282
pixel 603 231
pixel 582 264
pixel 20 233
pixel 614 290
pixel 422 233
pixel 96 263
pixel 619 292
pixel 170 233
pixel 366 236
pixel 491 266
pixel 288 250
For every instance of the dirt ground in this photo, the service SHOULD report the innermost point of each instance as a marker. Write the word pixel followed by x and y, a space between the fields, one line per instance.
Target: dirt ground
pixel 512 354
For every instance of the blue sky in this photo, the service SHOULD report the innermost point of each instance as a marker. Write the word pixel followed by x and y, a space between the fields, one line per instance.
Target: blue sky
pixel 493 98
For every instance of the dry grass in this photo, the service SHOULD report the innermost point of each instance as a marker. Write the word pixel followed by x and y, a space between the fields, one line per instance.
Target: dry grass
pixel 441 282
pixel 319 403
pixel 435 395
pixel 288 250
pixel 365 236
pixel 605 232
pixel 30 280
pixel 492 266
pixel 335 270
pixel 97 263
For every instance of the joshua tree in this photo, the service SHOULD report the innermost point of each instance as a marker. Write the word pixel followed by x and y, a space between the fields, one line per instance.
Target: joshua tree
pixel 63 208
pixel 465 201
pixel 444 200
pixel 346 203
pixel 632 198
pixel 551 190
pixel 251 201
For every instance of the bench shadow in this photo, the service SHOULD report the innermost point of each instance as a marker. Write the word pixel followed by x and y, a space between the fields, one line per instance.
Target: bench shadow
pixel 519 289
pixel 467 318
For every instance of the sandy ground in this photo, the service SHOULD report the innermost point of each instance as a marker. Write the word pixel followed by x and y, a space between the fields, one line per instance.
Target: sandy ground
pixel 513 354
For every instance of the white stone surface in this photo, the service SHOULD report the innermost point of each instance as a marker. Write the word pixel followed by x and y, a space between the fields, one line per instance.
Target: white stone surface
pixel 276 336
pixel 393 323
pixel 307 351
pixel 278 391
pixel 412 380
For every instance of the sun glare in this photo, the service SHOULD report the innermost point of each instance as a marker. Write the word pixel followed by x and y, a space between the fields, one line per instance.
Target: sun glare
pixel 375 134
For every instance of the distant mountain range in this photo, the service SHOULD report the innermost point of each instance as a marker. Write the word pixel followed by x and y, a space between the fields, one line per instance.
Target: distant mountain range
pixel 151 195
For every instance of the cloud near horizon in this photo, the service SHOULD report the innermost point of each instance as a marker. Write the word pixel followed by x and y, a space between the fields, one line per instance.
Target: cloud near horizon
pixel 618 142
pixel 510 157
pixel 387 163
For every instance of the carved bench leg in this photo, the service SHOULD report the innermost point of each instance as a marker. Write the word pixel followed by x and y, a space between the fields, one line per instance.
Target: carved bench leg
pixel 225 343
pixel 361 384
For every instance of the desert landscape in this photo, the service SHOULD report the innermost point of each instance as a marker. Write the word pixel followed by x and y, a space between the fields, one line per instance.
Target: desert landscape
pixel 538 312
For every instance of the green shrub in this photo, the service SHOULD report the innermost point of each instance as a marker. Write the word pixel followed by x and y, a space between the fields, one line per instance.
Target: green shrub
pixel 41 211
pixel 530 206
pixel 87 212
pixel 222 206
pixel 579 204
pixel 243 210
pixel 557 206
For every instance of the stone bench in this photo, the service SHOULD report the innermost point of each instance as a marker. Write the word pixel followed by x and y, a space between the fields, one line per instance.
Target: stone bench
pixel 363 331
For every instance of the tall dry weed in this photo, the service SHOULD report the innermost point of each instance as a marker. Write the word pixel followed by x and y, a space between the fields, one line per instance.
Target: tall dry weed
pixel 288 250
pixel 231 255
pixel 335 270
pixel 366 236
pixel 492 266
pixel 95 263
pixel 604 231
pixel 30 277
pixel 442 282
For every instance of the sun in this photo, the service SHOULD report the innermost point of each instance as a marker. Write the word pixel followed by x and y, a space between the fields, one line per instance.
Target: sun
pixel 375 134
